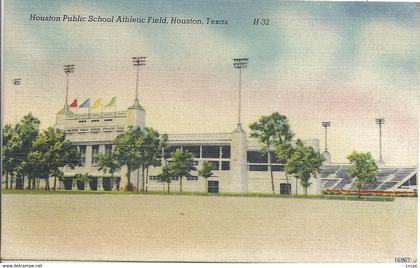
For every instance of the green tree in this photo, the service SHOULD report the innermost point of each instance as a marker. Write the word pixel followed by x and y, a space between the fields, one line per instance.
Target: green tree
pixel 109 163
pixel 364 169
pixel 127 149
pixel 271 130
pixel 206 170
pixel 167 175
pixel 283 152
pixel 182 164
pixel 151 151
pixel 303 163
pixel 51 151
pixel 11 146
pixel 27 131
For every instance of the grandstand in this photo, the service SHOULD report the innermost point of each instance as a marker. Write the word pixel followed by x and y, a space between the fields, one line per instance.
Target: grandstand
pixel 335 178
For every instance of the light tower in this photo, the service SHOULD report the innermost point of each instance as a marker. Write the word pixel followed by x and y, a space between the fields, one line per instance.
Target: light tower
pixel 69 68
pixel 16 82
pixel 240 63
pixel 138 61
pixel 380 121
pixel 238 145
pixel 326 154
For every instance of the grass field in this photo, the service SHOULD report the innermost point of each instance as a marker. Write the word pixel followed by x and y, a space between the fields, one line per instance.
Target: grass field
pixel 138 227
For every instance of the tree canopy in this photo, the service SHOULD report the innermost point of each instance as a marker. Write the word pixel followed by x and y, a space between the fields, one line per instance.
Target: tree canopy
pixel 303 163
pixel 363 169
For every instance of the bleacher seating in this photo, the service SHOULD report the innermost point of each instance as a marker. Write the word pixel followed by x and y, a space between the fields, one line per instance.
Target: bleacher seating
pixel 342 173
pixel 329 183
pixel 402 173
pixel 343 183
pixel 326 171
pixel 386 180
pixel 387 185
pixel 383 173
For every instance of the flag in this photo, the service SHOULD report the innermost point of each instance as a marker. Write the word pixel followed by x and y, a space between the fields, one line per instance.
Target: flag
pixel 112 102
pixel 97 103
pixel 85 104
pixel 74 104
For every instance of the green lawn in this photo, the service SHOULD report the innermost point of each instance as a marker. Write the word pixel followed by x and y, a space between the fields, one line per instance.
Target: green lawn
pixel 264 195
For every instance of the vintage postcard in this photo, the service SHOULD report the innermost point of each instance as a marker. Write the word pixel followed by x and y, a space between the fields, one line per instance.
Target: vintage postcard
pixel 210 131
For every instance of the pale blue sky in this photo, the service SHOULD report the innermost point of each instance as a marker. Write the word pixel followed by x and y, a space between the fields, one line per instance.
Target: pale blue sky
pixel 343 62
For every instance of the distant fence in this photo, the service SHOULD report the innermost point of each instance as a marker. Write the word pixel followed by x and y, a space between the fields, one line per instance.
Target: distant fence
pixel 371 192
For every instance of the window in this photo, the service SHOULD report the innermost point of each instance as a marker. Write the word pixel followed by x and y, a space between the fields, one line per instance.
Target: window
pixel 82 121
pixel 95 120
pixel 226 151
pixel 107 120
pixel 192 178
pixel 213 186
pixel 82 150
pixel 274 158
pixel 108 148
pixel 257 157
pixel 225 165
pixel 211 151
pixel 258 168
pixel 195 150
pixel 154 178
pixel 277 168
pixel 170 149
pixel 285 188
pixel 95 152
pixel 215 165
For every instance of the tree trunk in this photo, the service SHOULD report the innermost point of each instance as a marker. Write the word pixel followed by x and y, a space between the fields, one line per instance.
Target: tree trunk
pixel 33 183
pixel 271 170
pixel 287 183
pixel 180 184
pixel 55 182
pixel 138 177
pixel 296 185
pixel 305 190
pixel 128 179
pixel 169 187
pixel 359 193
pixel 7 179
pixel 45 186
pixel 29 183
pixel 11 181
pixel 142 178
pixel 147 178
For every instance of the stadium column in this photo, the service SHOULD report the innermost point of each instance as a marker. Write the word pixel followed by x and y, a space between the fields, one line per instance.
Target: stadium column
pixel 238 161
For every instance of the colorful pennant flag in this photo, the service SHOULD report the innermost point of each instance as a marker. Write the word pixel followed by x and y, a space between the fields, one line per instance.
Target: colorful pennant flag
pixel 74 104
pixel 111 103
pixel 97 104
pixel 85 104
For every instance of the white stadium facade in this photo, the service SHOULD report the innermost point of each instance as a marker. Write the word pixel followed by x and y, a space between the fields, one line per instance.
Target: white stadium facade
pixel 239 165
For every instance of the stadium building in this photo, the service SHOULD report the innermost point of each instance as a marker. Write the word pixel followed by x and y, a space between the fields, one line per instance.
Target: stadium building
pixel 239 165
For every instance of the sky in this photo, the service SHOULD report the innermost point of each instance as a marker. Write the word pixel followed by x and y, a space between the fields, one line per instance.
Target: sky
pixel 347 63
